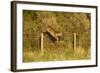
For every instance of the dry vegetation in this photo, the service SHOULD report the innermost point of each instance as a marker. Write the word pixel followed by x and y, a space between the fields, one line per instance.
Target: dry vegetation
pixel 67 23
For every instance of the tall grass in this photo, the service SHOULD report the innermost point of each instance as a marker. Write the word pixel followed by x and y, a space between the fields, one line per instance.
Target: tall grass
pixel 55 54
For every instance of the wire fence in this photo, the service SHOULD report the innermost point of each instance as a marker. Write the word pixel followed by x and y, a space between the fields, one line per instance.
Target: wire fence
pixel 66 41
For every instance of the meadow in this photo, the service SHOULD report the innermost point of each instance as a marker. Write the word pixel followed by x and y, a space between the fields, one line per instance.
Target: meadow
pixel 56 55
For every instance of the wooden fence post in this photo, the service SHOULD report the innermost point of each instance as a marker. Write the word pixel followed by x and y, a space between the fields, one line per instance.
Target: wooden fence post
pixel 74 40
pixel 42 42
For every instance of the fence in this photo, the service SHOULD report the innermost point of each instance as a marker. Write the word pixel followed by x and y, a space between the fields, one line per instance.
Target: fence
pixel 68 40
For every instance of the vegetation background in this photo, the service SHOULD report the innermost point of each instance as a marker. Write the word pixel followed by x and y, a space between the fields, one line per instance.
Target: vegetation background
pixel 65 22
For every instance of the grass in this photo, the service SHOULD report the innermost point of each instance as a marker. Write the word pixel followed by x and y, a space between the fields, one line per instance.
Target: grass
pixel 55 55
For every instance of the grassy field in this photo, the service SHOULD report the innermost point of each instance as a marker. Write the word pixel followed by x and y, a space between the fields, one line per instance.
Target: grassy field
pixel 56 55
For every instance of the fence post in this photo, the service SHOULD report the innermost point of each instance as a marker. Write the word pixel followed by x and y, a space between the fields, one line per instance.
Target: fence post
pixel 42 42
pixel 74 40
